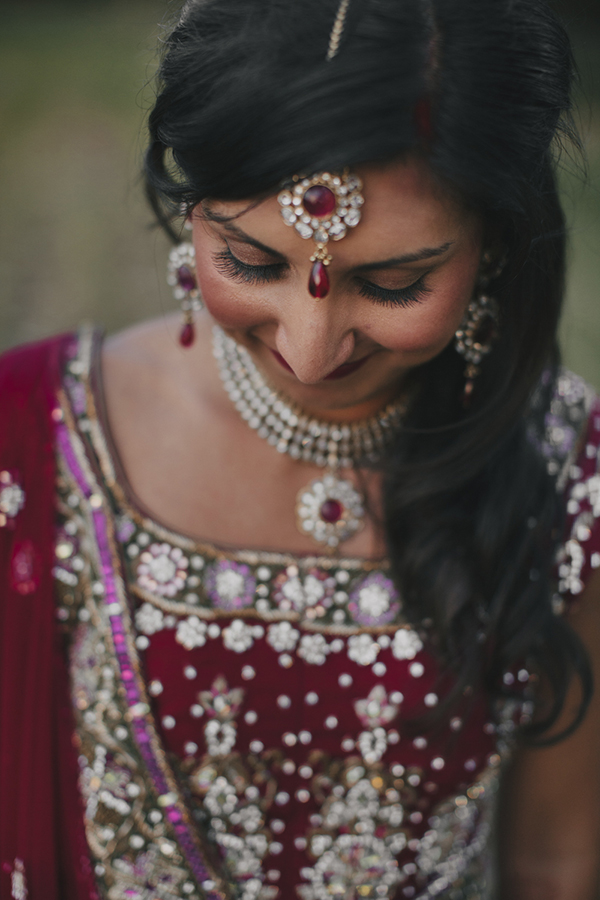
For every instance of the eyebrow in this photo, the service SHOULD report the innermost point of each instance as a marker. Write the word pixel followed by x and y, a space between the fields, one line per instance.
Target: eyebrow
pixel 226 222
pixel 418 256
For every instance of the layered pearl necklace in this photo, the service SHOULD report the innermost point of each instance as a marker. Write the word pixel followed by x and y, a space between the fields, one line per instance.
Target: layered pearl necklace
pixel 329 509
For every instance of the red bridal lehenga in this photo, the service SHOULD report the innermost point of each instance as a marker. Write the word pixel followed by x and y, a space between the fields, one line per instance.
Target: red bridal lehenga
pixel 235 723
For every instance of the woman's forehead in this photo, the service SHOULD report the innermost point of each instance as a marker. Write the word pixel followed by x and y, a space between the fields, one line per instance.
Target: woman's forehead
pixel 404 204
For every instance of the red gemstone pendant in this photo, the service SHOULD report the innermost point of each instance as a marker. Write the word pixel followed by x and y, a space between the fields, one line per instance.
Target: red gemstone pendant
pixel 331 511
pixel 187 335
pixel 318 283
pixel 319 201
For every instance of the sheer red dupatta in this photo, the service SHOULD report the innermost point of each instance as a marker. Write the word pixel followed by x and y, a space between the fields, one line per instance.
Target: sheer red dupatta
pixel 41 818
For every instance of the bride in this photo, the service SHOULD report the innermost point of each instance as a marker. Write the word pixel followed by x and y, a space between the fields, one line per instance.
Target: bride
pixel 303 603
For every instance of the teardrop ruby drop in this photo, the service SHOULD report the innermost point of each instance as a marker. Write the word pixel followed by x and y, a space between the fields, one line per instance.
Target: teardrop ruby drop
pixel 318 283
pixel 319 201
pixel 187 335
pixel 331 511
pixel 186 279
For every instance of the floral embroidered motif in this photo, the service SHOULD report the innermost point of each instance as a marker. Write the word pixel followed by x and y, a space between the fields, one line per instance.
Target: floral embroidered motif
pixel 291 591
pixel 12 498
pixel 406 644
pixel 374 601
pixel 191 632
pixel 105 784
pixel 362 649
pixel 282 636
pixel 149 619
pixel 583 505
pixel 230 585
pixel 314 649
pixel 235 805
pixel 377 709
pixel 355 845
pixel 149 877
pixel 375 712
pixel 239 637
pixel 221 706
pixel 357 865
pixel 569 409
pixel 162 569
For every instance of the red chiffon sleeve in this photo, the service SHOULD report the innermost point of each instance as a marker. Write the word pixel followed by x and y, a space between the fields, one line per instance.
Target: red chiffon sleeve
pixel 43 853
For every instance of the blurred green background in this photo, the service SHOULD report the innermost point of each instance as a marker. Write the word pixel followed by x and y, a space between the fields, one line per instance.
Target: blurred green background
pixel 76 242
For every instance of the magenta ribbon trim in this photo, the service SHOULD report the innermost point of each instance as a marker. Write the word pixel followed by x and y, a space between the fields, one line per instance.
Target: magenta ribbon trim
pixel 142 729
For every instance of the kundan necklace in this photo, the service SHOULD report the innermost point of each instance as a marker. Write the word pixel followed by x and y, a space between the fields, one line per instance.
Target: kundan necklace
pixel 329 509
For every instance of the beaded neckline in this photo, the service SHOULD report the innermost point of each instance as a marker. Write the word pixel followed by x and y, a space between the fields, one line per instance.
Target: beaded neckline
pixel 84 385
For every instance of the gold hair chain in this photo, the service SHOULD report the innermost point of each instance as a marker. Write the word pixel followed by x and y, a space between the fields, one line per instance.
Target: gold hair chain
pixel 338 28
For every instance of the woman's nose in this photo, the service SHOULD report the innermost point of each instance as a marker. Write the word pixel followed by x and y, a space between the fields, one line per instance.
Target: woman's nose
pixel 314 337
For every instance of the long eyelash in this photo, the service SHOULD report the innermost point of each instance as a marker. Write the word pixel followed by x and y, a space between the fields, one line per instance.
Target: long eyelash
pixel 234 268
pixel 408 296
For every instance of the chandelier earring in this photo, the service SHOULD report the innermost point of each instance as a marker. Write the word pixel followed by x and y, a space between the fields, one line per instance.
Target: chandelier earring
pixel 181 275
pixel 478 330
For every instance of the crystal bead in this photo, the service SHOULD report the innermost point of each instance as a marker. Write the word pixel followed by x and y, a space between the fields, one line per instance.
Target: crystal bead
pixel 304 230
pixel 352 218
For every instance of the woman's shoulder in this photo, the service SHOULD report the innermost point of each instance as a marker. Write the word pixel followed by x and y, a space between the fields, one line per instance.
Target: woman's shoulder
pixel 39 368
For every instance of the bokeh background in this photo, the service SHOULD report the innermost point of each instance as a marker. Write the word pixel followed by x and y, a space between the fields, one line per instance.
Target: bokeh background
pixel 76 239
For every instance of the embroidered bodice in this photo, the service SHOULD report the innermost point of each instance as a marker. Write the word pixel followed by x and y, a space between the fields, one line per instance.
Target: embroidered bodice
pixel 241 717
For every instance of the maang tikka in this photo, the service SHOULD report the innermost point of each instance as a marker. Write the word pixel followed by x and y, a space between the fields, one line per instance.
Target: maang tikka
pixel 322 207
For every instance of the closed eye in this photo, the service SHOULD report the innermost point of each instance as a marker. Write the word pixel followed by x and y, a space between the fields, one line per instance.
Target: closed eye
pixel 237 270
pixel 234 268
pixel 407 296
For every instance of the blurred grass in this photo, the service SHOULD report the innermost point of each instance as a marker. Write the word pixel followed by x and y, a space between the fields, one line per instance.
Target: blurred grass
pixel 75 242
pixel 580 328
pixel 75 236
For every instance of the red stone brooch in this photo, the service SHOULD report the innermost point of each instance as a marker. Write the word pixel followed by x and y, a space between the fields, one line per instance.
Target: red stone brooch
pixel 323 208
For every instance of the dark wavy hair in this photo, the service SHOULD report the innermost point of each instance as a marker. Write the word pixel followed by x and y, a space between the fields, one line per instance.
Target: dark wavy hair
pixel 246 98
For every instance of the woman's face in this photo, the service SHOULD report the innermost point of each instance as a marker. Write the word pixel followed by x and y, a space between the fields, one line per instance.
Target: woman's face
pixel 400 283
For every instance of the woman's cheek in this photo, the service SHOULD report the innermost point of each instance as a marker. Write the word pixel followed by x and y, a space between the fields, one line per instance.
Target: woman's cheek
pixel 232 305
pixel 422 330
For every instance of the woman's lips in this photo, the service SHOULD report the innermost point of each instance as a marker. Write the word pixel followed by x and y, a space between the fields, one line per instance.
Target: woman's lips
pixel 340 372
pixel 281 360
pixel 346 369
